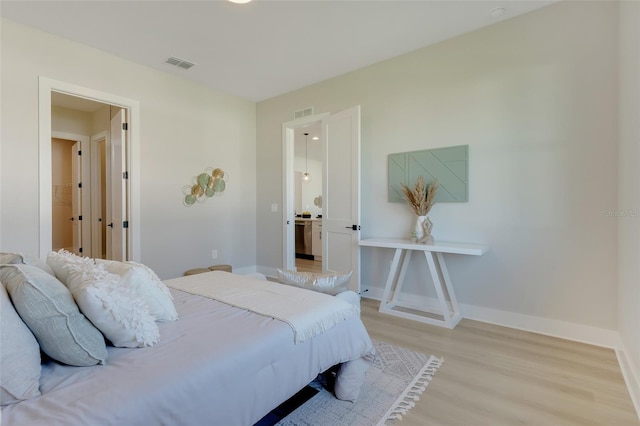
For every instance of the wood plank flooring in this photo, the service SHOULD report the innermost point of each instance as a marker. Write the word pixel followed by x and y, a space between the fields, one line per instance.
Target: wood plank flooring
pixel 306 265
pixel 495 376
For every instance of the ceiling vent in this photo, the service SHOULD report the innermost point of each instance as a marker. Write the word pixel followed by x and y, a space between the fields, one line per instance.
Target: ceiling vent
pixel 179 62
pixel 303 113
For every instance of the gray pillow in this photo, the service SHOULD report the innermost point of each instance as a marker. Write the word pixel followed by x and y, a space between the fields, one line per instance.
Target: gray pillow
pixel 19 356
pixel 329 282
pixel 47 308
pixel 25 259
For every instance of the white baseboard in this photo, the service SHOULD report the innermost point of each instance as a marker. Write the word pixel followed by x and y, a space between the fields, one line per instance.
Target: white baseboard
pixel 550 327
pixel 266 271
pixel 630 375
pixel 245 270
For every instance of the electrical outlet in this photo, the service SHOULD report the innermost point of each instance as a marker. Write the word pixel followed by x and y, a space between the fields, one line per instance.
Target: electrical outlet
pixel 214 254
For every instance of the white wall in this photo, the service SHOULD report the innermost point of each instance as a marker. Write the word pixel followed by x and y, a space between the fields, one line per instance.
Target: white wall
pixel 535 98
pixel 185 128
pixel 629 196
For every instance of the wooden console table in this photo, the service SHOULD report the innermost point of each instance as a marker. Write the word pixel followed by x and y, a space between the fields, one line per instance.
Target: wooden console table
pixel 448 309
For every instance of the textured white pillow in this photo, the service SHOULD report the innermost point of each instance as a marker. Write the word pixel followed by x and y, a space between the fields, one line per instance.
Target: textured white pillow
pixel 329 282
pixel 58 262
pixel 144 283
pixel 19 356
pixel 119 314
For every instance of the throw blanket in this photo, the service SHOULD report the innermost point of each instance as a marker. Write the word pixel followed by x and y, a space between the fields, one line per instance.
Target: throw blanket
pixel 307 312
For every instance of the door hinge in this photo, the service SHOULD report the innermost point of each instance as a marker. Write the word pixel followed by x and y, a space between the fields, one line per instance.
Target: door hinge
pixel 80 250
pixel 79 184
pixel 125 175
pixel 125 224
pixel 80 217
pixel 125 126
pixel 79 152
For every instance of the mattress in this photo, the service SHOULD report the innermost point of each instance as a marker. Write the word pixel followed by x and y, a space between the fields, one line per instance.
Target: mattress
pixel 217 365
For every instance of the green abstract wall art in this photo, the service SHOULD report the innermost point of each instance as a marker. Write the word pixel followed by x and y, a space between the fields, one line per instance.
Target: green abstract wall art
pixel 450 165
pixel 211 183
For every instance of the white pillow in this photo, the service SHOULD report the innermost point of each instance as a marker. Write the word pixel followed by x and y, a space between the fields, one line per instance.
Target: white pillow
pixel 330 282
pixel 19 356
pixel 144 283
pixel 59 260
pixel 119 314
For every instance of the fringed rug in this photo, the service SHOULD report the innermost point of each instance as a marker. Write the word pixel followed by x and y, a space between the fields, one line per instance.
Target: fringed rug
pixel 392 385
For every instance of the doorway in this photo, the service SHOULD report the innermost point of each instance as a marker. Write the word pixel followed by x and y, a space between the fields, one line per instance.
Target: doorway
pixel 126 163
pixel 308 168
pixel 339 140
pixel 88 175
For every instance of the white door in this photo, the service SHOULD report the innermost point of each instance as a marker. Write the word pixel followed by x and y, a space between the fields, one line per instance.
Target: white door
pixel 76 198
pixel 116 189
pixel 341 194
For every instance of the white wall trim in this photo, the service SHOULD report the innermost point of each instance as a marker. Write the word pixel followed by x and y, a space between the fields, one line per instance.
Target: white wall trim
pixel 550 327
pixel 45 87
pixel 630 375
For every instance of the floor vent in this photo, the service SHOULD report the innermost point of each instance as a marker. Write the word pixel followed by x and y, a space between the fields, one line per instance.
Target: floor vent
pixel 179 62
pixel 303 113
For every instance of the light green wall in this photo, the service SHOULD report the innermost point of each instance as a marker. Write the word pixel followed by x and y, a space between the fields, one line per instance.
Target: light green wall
pixel 535 98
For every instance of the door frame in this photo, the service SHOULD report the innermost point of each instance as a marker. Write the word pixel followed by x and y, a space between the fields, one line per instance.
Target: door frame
pixel 96 202
pixel 85 204
pixel 45 87
pixel 288 193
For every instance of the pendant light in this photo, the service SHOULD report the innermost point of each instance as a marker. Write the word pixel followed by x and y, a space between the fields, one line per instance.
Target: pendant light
pixel 306 177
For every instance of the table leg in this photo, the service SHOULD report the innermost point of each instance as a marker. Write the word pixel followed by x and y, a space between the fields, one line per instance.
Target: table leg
pixel 447 281
pixel 437 283
pixel 400 280
pixel 390 279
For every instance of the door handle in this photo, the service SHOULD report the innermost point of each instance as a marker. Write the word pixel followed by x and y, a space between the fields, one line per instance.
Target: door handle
pixel 110 225
pixel 353 227
pixel 71 219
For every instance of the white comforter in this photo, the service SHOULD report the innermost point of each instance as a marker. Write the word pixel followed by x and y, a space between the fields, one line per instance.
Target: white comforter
pixel 217 365
pixel 308 313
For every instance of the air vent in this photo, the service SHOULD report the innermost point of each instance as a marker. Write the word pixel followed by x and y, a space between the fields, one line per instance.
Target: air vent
pixel 303 113
pixel 179 62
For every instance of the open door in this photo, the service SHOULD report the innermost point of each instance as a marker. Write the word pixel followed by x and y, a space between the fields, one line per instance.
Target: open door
pixel 341 194
pixel 117 224
pixel 76 198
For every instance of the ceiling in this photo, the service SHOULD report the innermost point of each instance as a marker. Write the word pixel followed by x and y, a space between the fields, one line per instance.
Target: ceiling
pixel 264 48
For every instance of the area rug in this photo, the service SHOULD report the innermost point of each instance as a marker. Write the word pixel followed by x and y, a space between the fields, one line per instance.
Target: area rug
pixel 393 383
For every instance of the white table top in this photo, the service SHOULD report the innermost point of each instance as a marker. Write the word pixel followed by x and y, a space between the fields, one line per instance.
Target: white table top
pixel 437 246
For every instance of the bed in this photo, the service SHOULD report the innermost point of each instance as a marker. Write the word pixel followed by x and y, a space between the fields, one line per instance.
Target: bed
pixel 217 365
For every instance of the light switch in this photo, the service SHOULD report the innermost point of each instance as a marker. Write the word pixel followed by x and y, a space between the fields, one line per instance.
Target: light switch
pixel 274 208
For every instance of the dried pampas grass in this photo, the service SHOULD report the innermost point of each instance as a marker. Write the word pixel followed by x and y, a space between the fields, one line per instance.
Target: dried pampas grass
pixel 422 197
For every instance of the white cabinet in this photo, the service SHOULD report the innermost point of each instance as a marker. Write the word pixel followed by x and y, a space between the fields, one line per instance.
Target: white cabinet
pixel 316 239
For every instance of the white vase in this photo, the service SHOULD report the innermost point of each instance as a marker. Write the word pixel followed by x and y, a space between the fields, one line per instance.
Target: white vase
pixel 422 230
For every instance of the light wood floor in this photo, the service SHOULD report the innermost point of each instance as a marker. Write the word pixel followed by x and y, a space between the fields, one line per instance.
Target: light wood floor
pixel 306 265
pixel 494 376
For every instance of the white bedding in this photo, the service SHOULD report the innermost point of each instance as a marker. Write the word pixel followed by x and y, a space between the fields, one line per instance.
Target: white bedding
pixel 217 365
pixel 308 313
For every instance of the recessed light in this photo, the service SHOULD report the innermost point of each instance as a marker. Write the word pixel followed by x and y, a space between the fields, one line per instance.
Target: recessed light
pixel 498 12
pixel 240 1
pixel 315 138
